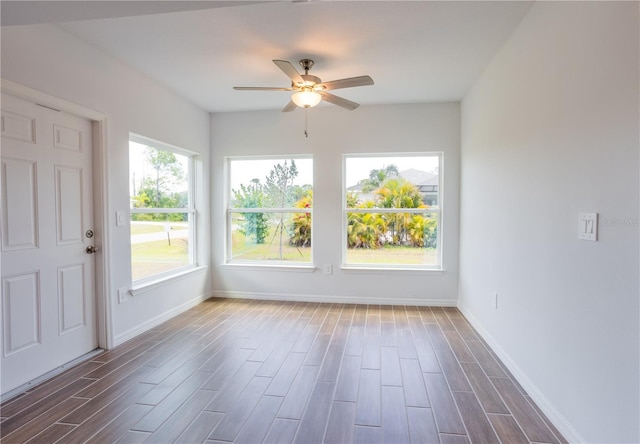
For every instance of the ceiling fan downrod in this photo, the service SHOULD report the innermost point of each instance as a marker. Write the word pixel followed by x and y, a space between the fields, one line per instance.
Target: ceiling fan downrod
pixel 306 65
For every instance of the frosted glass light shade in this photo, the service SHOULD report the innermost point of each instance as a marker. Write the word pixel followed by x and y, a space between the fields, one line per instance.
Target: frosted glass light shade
pixel 306 99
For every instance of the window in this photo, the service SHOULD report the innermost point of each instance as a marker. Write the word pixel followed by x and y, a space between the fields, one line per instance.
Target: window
pixel 269 210
pixel 162 208
pixel 392 211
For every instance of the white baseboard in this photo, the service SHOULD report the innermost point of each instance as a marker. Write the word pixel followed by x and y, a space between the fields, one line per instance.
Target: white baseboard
pixel 139 329
pixel 333 299
pixel 147 325
pixel 561 423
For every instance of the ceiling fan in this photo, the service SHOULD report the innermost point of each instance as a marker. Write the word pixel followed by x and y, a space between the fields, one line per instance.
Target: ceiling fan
pixel 309 90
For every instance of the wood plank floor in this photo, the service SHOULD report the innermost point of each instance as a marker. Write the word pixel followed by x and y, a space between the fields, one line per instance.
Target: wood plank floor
pixel 282 372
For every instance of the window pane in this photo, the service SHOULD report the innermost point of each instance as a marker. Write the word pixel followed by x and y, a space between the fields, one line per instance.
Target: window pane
pixel 158 179
pixel 271 237
pixel 159 243
pixel 392 239
pixel 392 181
pixel 270 183
pixel 384 238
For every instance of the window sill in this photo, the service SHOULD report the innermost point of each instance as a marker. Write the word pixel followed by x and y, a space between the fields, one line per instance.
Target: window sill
pixel 269 267
pixel 392 270
pixel 153 284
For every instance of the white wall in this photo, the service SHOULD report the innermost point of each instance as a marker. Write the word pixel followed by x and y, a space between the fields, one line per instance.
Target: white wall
pixel 334 132
pixel 549 130
pixel 51 60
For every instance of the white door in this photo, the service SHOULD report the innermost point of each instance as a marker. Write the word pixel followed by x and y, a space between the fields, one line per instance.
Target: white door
pixel 48 291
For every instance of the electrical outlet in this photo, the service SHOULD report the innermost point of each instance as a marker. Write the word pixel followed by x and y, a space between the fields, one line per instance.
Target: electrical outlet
pixel 328 269
pixel 495 300
pixel 122 295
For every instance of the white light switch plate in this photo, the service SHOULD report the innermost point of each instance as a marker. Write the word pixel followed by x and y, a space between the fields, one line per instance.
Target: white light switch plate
pixel 121 219
pixel 588 226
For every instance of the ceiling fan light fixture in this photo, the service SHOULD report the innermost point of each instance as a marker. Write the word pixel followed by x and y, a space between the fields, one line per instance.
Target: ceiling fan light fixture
pixel 306 99
pixel 309 90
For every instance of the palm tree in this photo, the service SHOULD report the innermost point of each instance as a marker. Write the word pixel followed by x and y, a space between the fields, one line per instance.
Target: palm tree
pixel 365 230
pixel 301 227
pixel 141 200
pixel 398 193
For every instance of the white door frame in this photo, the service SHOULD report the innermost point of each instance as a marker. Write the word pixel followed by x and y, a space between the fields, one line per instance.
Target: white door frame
pixel 100 198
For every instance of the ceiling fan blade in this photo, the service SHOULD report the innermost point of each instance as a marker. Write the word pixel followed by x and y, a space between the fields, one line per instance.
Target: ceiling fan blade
pixel 347 104
pixel 260 88
pixel 347 83
pixel 289 70
pixel 289 107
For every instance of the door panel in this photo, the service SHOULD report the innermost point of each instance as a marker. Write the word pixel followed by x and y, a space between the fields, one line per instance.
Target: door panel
pixel 21 304
pixel 19 189
pixel 67 138
pixel 68 205
pixel 48 289
pixel 18 127
pixel 72 297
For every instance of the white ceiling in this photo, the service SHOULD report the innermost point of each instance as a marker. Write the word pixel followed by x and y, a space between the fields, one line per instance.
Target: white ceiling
pixel 416 51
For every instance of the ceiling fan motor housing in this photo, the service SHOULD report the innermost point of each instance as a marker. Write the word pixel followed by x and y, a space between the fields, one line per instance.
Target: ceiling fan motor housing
pixel 309 81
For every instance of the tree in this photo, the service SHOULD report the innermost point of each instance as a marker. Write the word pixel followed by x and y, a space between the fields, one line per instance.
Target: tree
pixel 377 177
pixel 168 189
pixel 398 193
pixel 298 192
pixel 279 185
pixel 365 230
pixel 168 169
pixel 278 190
pixel 301 227
pixel 352 199
pixel 254 225
pixel 141 200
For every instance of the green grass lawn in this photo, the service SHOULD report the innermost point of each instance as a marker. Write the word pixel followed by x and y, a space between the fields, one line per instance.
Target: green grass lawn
pixel 395 255
pixel 142 228
pixel 269 251
pixel 149 258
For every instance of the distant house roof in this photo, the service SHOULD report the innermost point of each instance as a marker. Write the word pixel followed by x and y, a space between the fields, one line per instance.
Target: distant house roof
pixel 416 177
pixel 434 180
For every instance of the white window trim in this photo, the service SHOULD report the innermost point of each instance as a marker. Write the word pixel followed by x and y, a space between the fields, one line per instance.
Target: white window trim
pixel 262 265
pixel 278 266
pixel 149 283
pixel 160 280
pixel 390 268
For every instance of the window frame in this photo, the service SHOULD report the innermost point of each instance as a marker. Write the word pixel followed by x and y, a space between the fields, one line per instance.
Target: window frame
pixel 437 211
pixel 191 211
pixel 262 264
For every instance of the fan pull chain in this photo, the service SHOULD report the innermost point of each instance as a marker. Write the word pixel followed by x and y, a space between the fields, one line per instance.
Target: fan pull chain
pixel 306 123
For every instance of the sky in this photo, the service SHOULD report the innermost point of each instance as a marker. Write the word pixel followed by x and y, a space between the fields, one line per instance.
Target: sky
pixel 244 171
